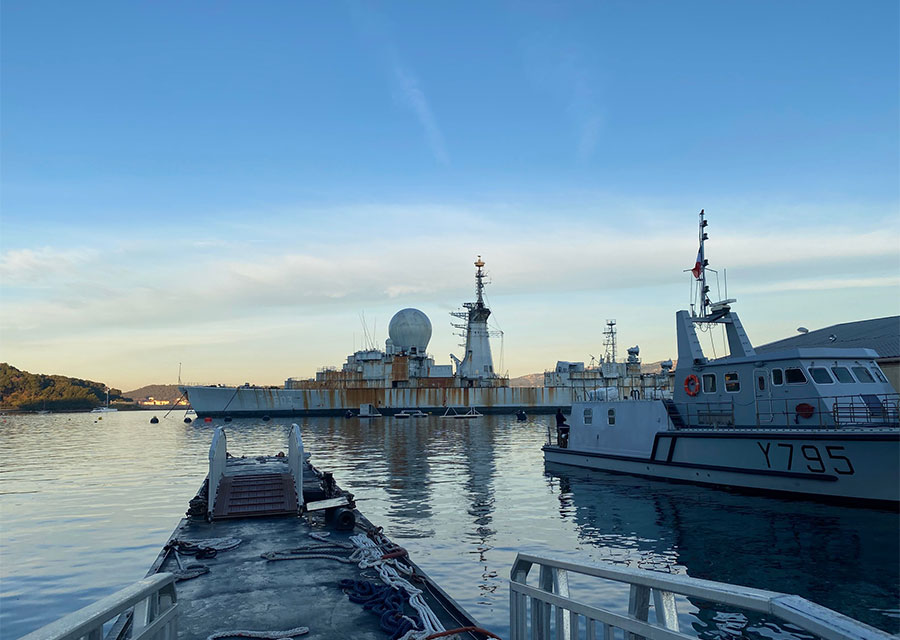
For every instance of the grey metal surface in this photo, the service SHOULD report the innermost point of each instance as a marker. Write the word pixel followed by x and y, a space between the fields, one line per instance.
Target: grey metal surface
pixel 880 334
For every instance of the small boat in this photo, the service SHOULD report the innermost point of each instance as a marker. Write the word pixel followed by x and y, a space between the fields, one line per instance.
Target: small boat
pixel 104 409
pixel 822 422
pixel 368 411
pixel 451 412
pixel 410 413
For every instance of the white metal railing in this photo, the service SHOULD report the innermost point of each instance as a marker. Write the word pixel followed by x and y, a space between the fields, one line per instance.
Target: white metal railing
pixel 548 610
pixel 218 453
pixel 295 461
pixel 155 613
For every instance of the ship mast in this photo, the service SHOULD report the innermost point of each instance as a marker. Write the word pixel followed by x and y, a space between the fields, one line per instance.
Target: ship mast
pixel 703 262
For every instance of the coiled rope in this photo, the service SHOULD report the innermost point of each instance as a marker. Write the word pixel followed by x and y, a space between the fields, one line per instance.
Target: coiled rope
pixel 371 555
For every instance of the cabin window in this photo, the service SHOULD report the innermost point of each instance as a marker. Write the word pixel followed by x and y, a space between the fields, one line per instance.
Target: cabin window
pixel 588 416
pixel 878 374
pixel 842 374
pixel 709 383
pixel 863 375
pixel 611 416
pixel 732 382
pixel 795 376
pixel 777 377
pixel 820 375
pixel 761 382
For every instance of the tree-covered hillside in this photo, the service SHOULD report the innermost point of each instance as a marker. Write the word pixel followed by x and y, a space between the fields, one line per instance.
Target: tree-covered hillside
pixel 34 391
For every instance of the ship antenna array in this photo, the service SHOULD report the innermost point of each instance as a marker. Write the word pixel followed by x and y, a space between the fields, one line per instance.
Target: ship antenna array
pixel 704 288
pixel 609 341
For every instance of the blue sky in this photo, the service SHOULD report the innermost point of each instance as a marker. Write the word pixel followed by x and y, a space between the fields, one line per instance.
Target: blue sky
pixel 231 185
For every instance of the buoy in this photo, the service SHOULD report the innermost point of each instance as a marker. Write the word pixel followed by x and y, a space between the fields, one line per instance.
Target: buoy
pixel 207 419
pixel 154 420
pixel 266 418
pixel 187 420
pixel 227 418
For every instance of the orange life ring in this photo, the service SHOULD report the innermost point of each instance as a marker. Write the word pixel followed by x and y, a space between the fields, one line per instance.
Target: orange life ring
pixel 805 410
pixel 692 385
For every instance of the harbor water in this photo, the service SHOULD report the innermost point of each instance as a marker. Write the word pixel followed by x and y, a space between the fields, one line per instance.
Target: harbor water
pixel 87 502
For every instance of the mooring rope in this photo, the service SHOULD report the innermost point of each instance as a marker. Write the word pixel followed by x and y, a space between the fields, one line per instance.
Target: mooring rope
pixel 264 635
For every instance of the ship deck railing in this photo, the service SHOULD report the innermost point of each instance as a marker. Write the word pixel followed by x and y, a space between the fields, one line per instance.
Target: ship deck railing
pixel 548 609
pixel 862 410
pixel 155 613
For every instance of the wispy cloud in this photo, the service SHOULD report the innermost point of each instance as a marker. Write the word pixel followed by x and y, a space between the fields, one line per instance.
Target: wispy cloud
pixel 410 93
pixel 406 86
pixel 32 265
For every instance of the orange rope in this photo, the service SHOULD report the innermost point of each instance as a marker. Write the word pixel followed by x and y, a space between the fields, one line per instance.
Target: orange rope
pixel 451 632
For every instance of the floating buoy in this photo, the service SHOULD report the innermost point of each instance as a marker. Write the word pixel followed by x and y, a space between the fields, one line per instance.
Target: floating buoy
pixel 521 416
pixel 266 418
pixel 187 420
pixel 349 414
pixel 154 420
pixel 227 418
pixel 207 419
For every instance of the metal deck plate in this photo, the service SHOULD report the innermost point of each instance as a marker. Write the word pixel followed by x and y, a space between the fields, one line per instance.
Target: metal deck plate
pixel 247 495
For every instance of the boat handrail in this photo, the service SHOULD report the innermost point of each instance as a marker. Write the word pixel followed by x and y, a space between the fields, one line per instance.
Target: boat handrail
pixel 295 461
pixel 800 412
pixel 155 613
pixel 218 454
pixel 550 604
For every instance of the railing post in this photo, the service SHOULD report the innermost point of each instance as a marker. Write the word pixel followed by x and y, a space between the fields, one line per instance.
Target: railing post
pixel 295 462
pixel 638 607
pixel 218 452
pixel 666 611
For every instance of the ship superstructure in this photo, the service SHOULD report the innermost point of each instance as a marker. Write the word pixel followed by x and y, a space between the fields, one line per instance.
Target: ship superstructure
pixel 402 376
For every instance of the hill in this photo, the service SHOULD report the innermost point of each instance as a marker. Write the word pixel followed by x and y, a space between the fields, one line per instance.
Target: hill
pixel 168 392
pixel 21 390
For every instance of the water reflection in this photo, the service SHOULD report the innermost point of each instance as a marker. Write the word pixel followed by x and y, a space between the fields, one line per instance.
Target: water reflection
pixel 843 558
pixel 87 504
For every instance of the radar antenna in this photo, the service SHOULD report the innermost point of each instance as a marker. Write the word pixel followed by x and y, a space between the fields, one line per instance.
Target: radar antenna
pixel 609 341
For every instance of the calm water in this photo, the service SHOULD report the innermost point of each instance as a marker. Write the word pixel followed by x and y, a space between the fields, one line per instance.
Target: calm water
pixel 86 505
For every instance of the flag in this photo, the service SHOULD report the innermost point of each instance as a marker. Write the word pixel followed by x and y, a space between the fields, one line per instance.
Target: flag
pixel 697 266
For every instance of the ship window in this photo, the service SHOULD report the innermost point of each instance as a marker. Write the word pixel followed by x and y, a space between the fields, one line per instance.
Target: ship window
pixel 863 375
pixel 732 382
pixel 588 416
pixel 820 375
pixel 842 374
pixel 878 374
pixel 709 383
pixel 795 376
pixel 611 416
pixel 761 382
pixel 777 377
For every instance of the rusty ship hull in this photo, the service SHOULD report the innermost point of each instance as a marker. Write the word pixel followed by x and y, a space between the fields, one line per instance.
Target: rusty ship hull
pixel 217 402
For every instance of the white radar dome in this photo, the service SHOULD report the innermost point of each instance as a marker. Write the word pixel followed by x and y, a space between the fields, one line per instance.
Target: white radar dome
pixel 410 328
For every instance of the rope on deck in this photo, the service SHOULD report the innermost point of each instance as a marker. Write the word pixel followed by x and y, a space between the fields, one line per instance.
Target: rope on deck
pixel 370 553
pixel 264 635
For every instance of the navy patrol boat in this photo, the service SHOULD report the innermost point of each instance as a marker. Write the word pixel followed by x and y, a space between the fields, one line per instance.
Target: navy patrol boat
pixel 813 421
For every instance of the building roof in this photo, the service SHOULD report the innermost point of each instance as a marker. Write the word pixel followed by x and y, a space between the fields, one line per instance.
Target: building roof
pixel 880 334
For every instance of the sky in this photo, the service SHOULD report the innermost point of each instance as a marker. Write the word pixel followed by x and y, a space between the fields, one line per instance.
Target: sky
pixel 249 191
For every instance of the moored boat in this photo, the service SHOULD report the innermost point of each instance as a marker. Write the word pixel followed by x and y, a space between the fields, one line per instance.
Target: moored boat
pixel 815 421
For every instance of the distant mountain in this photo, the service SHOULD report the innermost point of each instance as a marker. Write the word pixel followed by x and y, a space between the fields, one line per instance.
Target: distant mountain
pixel 167 392
pixel 26 391
pixel 528 380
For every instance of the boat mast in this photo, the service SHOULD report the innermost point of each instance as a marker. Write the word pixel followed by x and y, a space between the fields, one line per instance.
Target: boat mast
pixel 704 288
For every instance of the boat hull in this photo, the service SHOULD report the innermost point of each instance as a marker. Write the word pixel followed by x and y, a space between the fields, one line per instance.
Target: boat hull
pixel 250 401
pixel 853 465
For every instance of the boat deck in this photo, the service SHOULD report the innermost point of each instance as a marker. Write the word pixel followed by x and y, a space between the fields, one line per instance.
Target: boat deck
pixel 241 590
